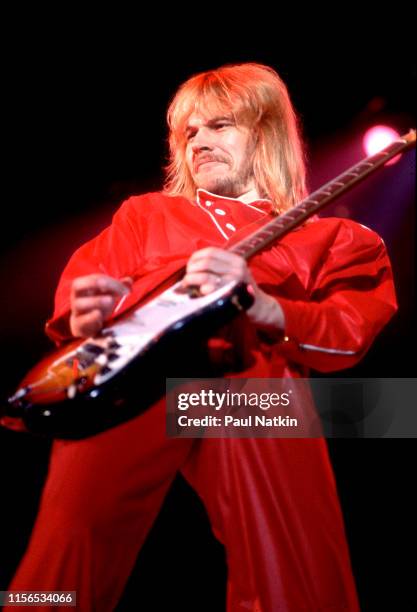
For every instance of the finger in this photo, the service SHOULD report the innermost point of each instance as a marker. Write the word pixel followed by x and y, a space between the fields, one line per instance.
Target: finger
pixel 215 254
pixel 87 325
pixel 206 283
pixel 216 266
pixel 215 259
pixel 210 252
pixel 82 305
pixel 127 282
pixel 96 284
pixel 199 278
pixel 209 257
pixel 208 287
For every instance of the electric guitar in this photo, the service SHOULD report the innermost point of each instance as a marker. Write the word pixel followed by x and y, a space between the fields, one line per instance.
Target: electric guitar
pixel 91 385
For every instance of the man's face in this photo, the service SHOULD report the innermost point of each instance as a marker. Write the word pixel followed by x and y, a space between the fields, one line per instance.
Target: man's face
pixel 219 155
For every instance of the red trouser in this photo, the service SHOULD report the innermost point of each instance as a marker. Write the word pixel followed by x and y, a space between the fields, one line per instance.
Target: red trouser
pixel 271 502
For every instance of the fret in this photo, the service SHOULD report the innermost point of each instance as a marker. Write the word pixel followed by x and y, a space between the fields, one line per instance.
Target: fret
pixel 306 210
pixel 299 213
pixel 365 165
pixel 319 197
pixel 343 180
pixel 379 156
pixel 254 241
pixel 331 188
pixel 267 233
pixel 240 250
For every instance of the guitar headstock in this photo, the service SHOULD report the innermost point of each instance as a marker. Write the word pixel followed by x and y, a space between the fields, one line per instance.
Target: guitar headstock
pixel 410 138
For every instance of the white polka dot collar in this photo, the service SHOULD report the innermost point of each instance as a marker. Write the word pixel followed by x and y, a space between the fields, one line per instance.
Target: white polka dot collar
pixel 230 214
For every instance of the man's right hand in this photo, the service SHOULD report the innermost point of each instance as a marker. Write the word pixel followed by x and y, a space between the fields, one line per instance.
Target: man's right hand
pixel 93 299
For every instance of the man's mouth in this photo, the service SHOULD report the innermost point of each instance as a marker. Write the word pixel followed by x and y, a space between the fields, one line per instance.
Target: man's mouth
pixel 208 163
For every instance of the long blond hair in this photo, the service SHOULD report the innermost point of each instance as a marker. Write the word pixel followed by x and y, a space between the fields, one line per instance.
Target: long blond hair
pixel 256 97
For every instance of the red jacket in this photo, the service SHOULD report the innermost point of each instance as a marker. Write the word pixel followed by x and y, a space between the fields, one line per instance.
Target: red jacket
pixel 331 276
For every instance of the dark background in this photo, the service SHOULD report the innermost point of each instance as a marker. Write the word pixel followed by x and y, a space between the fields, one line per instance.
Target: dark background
pixel 84 128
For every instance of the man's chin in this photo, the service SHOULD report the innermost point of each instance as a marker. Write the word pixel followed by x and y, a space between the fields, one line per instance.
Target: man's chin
pixel 220 187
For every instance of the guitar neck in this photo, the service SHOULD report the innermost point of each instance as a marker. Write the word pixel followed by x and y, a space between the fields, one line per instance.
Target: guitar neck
pixel 296 216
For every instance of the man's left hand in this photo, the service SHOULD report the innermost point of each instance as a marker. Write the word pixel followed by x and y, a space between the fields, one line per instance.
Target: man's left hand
pixel 209 268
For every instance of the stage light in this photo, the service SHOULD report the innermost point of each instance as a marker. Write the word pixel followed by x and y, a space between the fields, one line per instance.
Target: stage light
pixel 379 137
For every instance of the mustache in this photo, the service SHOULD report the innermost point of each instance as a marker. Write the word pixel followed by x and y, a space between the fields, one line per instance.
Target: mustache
pixel 202 159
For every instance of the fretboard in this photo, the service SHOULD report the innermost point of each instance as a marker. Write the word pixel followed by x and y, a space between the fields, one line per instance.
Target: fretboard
pixel 281 225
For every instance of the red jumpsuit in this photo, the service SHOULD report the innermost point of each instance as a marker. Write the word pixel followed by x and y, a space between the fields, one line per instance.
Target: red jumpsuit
pixel 272 502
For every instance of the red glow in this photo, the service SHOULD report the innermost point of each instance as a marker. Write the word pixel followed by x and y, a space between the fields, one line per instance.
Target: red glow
pixel 379 137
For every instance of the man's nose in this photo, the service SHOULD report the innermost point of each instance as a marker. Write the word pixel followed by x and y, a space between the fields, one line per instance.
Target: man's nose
pixel 198 148
pixel 202 141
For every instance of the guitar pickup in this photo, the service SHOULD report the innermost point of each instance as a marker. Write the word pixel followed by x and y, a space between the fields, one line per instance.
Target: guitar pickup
pixel 105 370
pixel 94 349
pixel 85 356
pixel 80 361
pixel 113 345
pixel 192 291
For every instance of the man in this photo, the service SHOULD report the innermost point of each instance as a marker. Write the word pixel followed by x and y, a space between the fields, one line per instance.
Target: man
pixel 321 295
